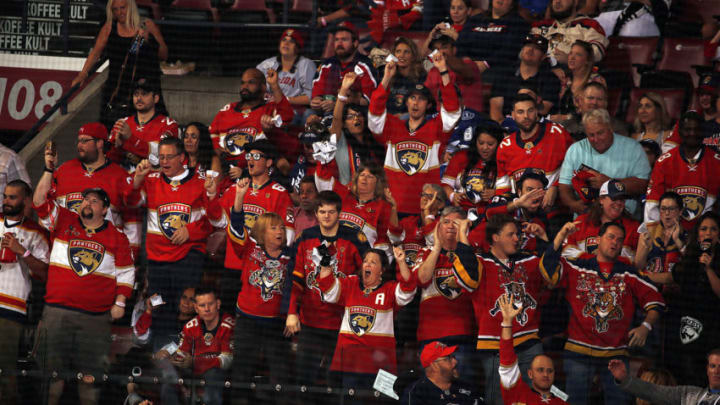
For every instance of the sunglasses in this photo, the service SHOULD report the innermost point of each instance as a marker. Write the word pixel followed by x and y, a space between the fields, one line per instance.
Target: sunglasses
pixel 255 156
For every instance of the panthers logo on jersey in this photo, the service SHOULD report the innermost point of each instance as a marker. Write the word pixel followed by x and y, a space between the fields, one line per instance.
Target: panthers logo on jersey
pixel 602 306
pixel 361 319
pixel 72 201
pixel 252 212
pixel 411 156
pixel 85 256
pixel 694 199
pixel 236 139
pixel 269 279
pixel 521 299
pixel 173 217
pixel 447 284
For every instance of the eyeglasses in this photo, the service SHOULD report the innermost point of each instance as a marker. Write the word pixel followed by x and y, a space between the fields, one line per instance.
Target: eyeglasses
pixel 255 156
pixel 85 140
pixel 447 358
pixel 167 157
pixel 352 116
pixel 669 209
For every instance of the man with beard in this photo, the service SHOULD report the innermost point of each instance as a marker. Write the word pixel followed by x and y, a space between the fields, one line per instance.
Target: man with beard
pixel 533 71
pixel 691 170
pixel 179 219
pixel 330 74
pixel 603 292
pixel 91 273
pixel 247 120
pixel 565 26
pixel 24 254
pixel 138 135
pixel 541 372
pixel 441 384
pixel 602 156
pixel 537 145
pixel 92 168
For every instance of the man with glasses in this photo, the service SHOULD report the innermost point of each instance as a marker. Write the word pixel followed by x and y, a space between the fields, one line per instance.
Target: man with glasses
pixel 91 274
pixel 264 195
pixel 179 219
pixel 92 168
pixel 684 395
pixel 691 170
pixel 441 384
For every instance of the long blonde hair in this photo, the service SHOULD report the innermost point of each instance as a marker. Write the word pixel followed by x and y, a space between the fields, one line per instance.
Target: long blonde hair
pixel 132 20
pixel 660 109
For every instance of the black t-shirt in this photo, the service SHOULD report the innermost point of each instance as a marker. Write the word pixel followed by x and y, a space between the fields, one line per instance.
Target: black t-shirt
pixel 711 131
pixel 424 392
pixel 506 84
pixel 497 41
pixel 696 308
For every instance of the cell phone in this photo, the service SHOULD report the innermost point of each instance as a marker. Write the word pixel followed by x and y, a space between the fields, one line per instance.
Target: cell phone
pixel 156 301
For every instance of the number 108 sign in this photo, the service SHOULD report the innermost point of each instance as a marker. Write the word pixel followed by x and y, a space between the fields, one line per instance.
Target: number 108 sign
pixel 27 94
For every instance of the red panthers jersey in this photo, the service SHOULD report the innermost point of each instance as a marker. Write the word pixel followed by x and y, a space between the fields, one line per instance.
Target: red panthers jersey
pixel 445 308
pixel 234 127
pixel 514 389
pixel 72 177
pixel 412 158
pixel 696 179
pixel 349 246
pixel 366 342
pixel 209 348
pixel 172 204
pixel 521 278
pixel 585 239
pixel 472 183
pixel 263 276
pixel 144 138
pixel 545 151
pixel 270 197
pixel 83 261
pixel 601 305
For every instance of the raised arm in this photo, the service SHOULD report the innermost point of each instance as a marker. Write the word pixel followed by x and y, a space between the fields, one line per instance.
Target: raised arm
pixel 95 53
pixel 45 182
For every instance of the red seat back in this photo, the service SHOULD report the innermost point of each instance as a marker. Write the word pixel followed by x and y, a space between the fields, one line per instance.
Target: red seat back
pixel 680 54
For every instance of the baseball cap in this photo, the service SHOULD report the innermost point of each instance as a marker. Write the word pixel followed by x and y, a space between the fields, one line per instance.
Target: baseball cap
pixel 295 35
pixel 533 173
pixel 98 192
pixel 94 129
pixel 709 83
pixel 538 40
pixel 145 84
pixel 314 132
pixel 346 26
pixel 423 91
pixel 613 189
pixel 433 351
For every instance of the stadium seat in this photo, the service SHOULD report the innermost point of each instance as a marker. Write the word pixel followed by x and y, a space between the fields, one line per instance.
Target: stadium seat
pixel 624 52
pixel 149 8
pixel 191 10
pixel 675 100
pixel 249 11
pixel 675 67
pixel 614 98
pixel 300 11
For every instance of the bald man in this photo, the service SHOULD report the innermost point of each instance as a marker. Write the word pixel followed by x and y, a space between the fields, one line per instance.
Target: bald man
pixel 541 372
pixel 251 118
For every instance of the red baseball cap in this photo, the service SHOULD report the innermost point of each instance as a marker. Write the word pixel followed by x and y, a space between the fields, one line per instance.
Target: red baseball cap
pixel 295 35
pixel 433 351
pixel 94 129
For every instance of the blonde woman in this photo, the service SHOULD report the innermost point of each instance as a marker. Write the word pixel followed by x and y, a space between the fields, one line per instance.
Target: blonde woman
pixel 652 121
pixel 131 41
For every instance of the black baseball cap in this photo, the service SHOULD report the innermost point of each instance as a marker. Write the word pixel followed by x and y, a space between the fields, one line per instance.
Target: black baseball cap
pixel 145 84
pixel 538 40
pixel 533 173
pixel 98 192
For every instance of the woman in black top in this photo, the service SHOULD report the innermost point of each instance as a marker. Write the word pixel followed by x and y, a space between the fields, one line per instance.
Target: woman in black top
pixel 130 40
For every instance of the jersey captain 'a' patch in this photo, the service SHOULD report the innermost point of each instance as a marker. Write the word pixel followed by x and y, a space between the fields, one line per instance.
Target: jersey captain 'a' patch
pixel 72 201
pixel 694 199
pixel 447 284
pixel 85 256
pixel 236 139
pixel 173 217
pixel 361 319
pixel 411 156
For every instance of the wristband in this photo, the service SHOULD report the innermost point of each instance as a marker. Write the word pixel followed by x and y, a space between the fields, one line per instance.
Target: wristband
pixel 444 72
pixel 506 326
pixel 323 21
pixel 647 325
pixel 26 254
pixel 430 217
pixel 46 169
pixel 487 65
pixel 342 98
pixel 120 304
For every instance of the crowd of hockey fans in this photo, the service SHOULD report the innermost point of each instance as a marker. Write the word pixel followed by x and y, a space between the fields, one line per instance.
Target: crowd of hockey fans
pixel 462 209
